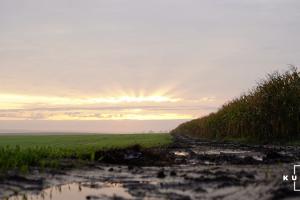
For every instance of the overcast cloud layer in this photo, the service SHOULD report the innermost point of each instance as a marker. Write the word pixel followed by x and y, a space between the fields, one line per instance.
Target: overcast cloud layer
pixel 200 53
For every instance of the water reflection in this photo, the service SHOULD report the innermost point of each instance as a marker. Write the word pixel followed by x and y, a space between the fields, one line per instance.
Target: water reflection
pixel 79 191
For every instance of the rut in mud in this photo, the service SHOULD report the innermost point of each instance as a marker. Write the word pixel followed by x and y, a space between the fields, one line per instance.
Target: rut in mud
pixel 188 169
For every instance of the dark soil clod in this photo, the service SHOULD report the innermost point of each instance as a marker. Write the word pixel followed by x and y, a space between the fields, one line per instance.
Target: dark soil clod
pixel 173 173
pixel 161 174
pixel 111 169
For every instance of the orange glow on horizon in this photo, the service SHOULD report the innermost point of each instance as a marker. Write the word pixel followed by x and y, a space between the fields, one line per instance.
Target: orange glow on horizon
pixel 27 107
pixel 155 106
pixel 15 101
pixel 128 116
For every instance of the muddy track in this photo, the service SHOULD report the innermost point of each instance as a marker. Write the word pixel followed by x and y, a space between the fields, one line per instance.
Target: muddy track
pixel 187 169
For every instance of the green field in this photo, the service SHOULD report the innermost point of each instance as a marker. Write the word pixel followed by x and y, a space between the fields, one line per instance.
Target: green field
pixel 21 152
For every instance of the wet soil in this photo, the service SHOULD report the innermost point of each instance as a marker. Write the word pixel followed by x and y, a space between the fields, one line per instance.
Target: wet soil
pixel 187 169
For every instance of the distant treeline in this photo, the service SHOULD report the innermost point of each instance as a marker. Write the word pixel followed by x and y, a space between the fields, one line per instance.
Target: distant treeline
pixel 268 113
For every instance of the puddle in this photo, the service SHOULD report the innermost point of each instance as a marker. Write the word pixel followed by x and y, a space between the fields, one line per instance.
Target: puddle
pixel 79 191
pixel 223 151
pixel 181 153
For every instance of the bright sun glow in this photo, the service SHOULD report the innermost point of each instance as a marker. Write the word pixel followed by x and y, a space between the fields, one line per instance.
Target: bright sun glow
pixel 13 101
pixel 26 107
pixel 125 116
pixel 132 99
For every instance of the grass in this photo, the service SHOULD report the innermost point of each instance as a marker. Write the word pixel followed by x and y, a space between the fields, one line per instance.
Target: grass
pixel 269 113
pixel 21 152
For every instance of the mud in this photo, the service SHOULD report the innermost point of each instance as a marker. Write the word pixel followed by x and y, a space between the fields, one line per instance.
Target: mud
pixel 188 169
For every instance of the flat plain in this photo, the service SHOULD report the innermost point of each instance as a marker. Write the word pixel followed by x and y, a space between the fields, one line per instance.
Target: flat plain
pixel 19 152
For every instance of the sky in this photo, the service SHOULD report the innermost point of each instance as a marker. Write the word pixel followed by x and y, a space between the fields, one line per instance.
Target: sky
pixel 136 65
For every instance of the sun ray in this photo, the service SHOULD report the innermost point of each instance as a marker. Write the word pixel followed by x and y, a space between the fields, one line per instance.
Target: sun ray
pixel 16 101
pixel 26 107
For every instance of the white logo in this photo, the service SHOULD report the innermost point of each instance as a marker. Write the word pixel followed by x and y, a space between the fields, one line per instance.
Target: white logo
pixel 293 178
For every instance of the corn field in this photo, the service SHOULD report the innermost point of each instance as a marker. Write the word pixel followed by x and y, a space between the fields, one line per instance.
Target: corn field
pixel 269 112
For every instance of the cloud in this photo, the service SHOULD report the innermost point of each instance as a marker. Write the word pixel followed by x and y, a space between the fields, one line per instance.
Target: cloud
pixel 151 107
pixel 92 115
